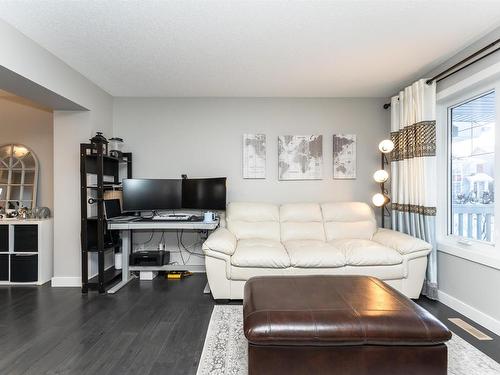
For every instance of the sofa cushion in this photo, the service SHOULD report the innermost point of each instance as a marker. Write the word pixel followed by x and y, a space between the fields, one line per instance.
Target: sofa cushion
pixel 367 253
pixel 403 243
pixel 301 221
pixel 221 240
pixel 244 230
pixel 302 231
pixel 314 254
pixel 300 212
pixel 260 253
pixel 348 220
pixel 252 212
pixel 253 220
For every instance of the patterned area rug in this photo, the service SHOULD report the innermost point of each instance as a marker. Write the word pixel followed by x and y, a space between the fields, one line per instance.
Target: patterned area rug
pixel 225 350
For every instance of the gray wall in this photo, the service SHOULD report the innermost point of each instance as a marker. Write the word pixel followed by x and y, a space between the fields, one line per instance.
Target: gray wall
pixel 22 55
pixel 33 126
pixel 470 282
pixel 203 137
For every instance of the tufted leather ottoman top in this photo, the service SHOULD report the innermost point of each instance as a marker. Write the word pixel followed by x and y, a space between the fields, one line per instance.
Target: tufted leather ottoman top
pixel 334 310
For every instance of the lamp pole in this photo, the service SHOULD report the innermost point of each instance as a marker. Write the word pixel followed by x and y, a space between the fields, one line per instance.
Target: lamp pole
pixel 382 188
pixel 382 199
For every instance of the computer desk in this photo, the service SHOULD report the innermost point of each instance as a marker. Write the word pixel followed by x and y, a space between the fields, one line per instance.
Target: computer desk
pixel 126 229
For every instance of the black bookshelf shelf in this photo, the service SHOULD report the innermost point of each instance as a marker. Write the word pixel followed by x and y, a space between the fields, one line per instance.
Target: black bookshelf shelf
pixel 95 238
pixel 111 276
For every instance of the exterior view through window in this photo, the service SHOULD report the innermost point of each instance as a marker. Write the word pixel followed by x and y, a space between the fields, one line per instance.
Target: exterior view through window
pixel 472 130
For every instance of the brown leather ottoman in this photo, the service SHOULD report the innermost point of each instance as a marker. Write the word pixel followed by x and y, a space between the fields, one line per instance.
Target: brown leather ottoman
pixel 339 325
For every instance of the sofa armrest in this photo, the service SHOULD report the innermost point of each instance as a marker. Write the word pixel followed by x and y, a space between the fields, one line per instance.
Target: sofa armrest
pixel 222 241
pixel 403 243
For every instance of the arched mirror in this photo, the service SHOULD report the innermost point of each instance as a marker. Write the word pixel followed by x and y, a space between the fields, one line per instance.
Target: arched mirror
pixel 18 177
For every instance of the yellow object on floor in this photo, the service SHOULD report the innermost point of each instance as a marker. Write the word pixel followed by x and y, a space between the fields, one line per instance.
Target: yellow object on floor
pixel 177 275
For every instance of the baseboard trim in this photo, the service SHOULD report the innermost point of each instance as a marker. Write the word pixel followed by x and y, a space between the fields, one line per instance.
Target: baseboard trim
pixel 66 282
pixel 470 312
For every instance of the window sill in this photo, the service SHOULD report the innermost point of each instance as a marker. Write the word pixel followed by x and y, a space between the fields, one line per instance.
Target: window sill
pixel 486 255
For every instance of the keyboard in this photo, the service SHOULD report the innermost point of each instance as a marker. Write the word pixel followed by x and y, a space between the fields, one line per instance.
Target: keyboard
pixel 124 218
pixel 172 218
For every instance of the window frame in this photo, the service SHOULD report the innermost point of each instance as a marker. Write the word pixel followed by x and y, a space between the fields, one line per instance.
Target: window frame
pixel 449 170
pixel 477 251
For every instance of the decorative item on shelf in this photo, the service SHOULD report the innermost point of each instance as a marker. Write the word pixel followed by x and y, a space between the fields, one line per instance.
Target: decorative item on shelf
pixel 41 213
pixel 381 176
pixel 115 193
pixel 23 213
pixel 116 147
pixel 99 138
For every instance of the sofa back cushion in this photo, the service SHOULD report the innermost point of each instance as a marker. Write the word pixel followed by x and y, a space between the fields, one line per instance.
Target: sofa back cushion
pixel 253 220
pixel 301 221
pixel 354 220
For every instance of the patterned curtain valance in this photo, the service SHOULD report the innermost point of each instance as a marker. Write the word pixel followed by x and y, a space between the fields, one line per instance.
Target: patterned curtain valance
pixel 414 141
pixel 414 209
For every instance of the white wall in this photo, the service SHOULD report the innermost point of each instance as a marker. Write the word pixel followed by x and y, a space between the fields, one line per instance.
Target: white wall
pixel 28 124
pixel 203 137
pixel 23 56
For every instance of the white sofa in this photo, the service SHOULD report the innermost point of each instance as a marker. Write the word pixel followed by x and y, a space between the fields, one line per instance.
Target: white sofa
pixel 310 239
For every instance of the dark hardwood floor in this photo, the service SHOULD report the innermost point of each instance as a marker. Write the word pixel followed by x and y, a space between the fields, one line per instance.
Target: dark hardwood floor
pixel 147 328
pixel 443 313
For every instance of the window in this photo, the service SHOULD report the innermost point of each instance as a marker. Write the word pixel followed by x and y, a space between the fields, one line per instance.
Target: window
pixel 18 177
pixel 472 161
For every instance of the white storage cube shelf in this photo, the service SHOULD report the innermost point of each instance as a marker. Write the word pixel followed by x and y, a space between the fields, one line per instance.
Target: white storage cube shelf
pixel 26 252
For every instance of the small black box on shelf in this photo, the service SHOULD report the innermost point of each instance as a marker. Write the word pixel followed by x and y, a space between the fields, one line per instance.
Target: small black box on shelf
pixel 149 258
pixel 26 238
pixel 4 238
pixel 4 267
pixel 24 268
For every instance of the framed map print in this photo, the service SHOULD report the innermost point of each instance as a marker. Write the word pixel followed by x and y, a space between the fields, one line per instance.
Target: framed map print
pixel 344 156
pixel 300 157
pixel 254 156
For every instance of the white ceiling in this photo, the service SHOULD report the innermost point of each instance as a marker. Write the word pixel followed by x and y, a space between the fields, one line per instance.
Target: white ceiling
pixel 252 48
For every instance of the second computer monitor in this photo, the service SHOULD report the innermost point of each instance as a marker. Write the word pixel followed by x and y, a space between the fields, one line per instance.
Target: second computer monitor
pixel 151 194
pixel 204 193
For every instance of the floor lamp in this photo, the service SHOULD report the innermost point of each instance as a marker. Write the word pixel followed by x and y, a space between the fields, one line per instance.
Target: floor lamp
pixel 381 176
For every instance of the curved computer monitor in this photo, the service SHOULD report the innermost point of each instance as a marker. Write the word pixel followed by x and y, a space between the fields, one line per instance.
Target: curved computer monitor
pixel 142 194
pixel 204 193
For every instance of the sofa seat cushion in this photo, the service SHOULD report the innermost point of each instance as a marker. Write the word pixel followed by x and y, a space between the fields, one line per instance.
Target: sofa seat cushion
pixel 367 253
pixel 314 254
pixel 260 253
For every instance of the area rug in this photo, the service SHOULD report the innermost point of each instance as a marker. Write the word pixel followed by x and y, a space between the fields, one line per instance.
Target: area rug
pixel 225 350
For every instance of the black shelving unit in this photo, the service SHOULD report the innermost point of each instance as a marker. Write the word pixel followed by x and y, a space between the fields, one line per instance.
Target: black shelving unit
pixel 95 238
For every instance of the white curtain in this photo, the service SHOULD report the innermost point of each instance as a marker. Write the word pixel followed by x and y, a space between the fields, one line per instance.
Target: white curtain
pixel 413 169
